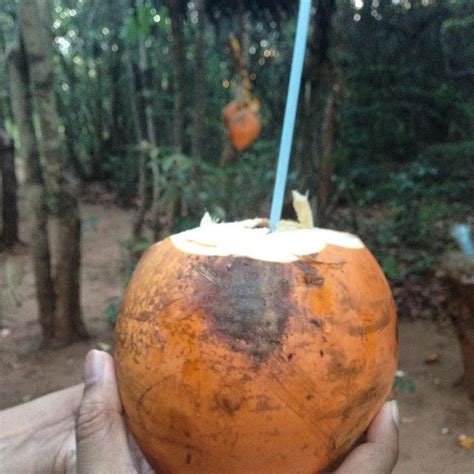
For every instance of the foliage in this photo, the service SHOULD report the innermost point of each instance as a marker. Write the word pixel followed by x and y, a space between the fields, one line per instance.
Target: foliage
pixel 112 310
pixel 398 103
pixel 239 189
pixel 404 385
pixel 420 202
pixel 134 250
pixel 405 134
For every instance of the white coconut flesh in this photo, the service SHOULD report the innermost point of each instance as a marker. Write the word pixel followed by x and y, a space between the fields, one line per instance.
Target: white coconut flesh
pixel 253 239
pixel 249 239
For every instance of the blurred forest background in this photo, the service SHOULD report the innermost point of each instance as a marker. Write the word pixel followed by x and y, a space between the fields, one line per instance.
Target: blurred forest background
pixel 111 138
pixel 128 94
pixel 122 100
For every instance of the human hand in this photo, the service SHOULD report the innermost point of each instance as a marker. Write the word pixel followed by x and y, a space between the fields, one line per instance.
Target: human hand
pixel 379 453
pixel 79 429
pixel 104 444
pixel 39 436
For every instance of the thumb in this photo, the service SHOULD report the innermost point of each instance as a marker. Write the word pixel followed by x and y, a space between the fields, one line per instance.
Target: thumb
pixel 101 438
pixel 379 454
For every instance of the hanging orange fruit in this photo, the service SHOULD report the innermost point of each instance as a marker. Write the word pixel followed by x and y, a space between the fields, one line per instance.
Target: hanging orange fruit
pixel 244 351
pixel 242 123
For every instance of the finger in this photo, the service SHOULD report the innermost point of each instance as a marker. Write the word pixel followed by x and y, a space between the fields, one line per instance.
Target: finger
pixel 28 429
pixel 380 453
pixel 139 461
pixel 101 438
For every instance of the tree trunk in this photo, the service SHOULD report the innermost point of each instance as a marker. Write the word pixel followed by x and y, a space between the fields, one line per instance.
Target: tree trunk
pixel 136 106
pixel 227 154
pixel 36 195
pixel 335 78
pixel 9 235
pixel 114 65
pixel 70 114
pixel 178 64
pixel 459 270
pixel 137 228
pixel 69 325
pixel 147 92
pixel 142 159
pixel 309 143
pixel 63 191
pixel 326 166
pixel 199 89
pixel 199 105
pixel 69 136
pixel 96 171
pixel 317 82
pixel 155 211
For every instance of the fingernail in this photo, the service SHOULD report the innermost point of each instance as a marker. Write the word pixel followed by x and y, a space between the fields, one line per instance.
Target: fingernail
pixel 395 412
pixel 94 367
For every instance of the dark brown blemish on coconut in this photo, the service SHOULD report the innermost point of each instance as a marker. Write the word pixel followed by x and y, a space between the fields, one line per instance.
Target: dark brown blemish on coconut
pixel 309 274
pixel 254 302
pixel 315 322
pixel 227 405
pixel 376 326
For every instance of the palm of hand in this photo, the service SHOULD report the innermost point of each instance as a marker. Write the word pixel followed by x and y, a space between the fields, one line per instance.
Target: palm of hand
pixel 40 436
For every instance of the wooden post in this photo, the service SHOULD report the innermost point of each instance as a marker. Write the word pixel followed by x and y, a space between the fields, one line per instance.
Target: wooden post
pixel 459 273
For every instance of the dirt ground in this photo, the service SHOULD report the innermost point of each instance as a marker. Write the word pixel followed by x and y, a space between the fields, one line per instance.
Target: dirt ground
pixel 434 410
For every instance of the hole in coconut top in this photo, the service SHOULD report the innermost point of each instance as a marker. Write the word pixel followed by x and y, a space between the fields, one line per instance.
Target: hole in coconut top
pixel 252 238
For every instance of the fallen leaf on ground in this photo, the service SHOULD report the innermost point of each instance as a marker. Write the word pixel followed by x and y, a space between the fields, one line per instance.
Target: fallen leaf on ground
pixel 466 442
pixel 432 359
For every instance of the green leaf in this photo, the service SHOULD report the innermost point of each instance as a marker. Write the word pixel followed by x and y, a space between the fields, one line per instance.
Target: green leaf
pixel 403 384
pixel 390 267
pixel 112 310
pixel 130 31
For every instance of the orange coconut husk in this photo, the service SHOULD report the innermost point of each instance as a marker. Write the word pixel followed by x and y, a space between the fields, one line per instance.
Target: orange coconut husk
pixel 230 363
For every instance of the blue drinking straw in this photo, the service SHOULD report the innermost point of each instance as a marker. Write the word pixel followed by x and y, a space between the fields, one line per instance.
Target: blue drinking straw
pixel 302 25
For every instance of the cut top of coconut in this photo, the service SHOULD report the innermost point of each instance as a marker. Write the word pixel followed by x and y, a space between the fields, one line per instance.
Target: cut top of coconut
pixel 253 239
